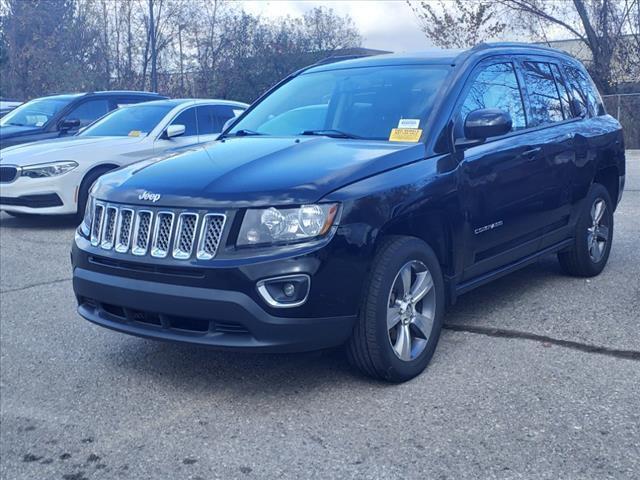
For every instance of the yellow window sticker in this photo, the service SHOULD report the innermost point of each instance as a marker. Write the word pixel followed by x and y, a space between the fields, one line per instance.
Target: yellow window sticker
pixel 405 135
pixel 135 133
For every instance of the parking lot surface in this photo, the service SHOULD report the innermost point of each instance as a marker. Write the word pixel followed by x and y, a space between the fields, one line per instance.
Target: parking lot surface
pixel 536 376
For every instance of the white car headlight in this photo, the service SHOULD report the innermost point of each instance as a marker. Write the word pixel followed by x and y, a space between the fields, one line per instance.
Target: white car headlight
pixel 51 169
pixel 282 225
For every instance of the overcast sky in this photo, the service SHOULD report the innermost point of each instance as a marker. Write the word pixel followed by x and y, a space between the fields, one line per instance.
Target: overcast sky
pixel 384 25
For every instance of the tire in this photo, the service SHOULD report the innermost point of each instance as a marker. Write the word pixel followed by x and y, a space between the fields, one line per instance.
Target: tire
pixel 85 186
pixel 589 253
pixel 374 348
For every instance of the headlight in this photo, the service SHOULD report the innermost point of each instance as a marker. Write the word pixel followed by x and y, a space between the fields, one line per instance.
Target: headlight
pixel 85 226
pixel 47 169
pixel 281 225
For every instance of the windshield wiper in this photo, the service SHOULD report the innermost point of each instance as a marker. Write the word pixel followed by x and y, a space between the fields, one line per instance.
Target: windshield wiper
pixel 16 124
pixel 242 133
pixel 330 133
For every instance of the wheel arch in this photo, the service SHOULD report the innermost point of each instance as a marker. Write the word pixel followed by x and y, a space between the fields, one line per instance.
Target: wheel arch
pixel 433 228
pixel 609 178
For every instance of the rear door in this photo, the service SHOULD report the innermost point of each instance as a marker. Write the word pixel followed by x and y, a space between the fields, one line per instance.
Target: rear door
pixel 505 182
pixel 553 128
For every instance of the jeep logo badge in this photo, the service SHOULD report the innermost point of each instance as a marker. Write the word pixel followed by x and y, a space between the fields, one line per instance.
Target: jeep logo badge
pixel 154 197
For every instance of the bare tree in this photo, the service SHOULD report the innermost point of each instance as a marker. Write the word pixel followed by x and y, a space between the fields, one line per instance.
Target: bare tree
pixel 602 25
pixel 458 23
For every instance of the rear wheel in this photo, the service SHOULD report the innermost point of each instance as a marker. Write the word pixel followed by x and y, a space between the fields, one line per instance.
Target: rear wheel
pixel 594 232
pixel 401 315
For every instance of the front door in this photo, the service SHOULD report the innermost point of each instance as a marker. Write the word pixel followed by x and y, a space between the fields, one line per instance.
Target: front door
pixel 505 182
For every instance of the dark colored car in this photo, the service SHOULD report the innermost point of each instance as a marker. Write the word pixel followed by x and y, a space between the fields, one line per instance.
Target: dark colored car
pixel 354 201
pixel 61 115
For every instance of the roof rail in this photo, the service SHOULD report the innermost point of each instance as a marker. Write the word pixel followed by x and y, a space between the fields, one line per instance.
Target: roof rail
pixel 489 45
pixel 338 58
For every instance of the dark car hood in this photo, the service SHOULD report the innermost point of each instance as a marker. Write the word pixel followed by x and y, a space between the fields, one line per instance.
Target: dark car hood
pixel 8 131
pixel 255 171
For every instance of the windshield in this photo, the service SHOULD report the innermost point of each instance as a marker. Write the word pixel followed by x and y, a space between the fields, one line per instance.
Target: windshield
pixel 34 113
pixel 364 102
pixel 133 121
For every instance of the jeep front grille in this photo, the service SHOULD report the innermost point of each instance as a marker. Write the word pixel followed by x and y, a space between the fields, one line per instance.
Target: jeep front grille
pixel 210 234
pixel 157 232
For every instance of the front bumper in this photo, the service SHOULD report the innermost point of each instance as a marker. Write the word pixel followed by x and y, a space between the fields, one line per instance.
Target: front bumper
pixel 219 307
pixel 44 196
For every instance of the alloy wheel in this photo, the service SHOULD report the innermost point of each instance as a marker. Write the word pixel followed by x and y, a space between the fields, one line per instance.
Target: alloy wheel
pixel 411 310
pixel 598 232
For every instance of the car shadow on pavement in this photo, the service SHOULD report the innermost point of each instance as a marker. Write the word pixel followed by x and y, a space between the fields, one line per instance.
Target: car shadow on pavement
pixel 189 367
pixel 52 222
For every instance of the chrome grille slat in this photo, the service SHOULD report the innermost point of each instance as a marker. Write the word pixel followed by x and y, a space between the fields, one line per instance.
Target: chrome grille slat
pixel 142 232
pixel 158 232
pixel 125 224
pixel 162 234
pixel 185 235
pixel 96 226
pixel 210 235
pixel 109 228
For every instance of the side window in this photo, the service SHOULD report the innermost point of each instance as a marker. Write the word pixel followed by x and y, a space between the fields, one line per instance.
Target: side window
pixel 211 118
pixel 496 86
pixel 188 119
pixel 89 111
pixel 564 93
pixel 543 94
pixel 584 92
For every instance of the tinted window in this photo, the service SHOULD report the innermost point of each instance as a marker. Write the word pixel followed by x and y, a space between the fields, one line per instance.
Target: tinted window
pixel 564 93
pixel 543 94
pixel 34 113
pixel 89 111
pixel 496 86
pixel 211 118
pixel 367 101
pixel 583 90
pixel 188 119
pixel 135 121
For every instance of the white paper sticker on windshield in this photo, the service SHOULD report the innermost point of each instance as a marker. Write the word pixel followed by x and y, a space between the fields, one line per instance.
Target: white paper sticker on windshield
pixel 409 123
pixel 237 111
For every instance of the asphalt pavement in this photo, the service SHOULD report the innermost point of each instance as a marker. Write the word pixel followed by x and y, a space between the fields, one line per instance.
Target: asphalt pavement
pixel 536 376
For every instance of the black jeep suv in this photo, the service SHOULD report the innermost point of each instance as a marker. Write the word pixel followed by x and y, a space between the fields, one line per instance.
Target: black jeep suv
pixel 353 202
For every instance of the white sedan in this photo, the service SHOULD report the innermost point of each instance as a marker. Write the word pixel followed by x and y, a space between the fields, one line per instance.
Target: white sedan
pixel 54 176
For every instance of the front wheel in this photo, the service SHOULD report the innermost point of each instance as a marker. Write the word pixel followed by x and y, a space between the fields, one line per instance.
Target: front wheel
pixel 401 314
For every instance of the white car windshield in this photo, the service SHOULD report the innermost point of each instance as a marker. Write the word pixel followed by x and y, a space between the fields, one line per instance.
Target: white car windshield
pixel 365 102
pixel 34 113
pixel 134 121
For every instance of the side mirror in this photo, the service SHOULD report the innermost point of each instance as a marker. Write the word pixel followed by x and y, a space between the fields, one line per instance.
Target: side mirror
pixel 487 122
pixel 228 123
pixel 174 131
pixel 68 124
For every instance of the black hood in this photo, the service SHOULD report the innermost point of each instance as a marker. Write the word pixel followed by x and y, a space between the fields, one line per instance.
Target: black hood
pixel 256 171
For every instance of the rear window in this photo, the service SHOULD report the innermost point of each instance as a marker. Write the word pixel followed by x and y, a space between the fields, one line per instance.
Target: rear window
pixel 586 96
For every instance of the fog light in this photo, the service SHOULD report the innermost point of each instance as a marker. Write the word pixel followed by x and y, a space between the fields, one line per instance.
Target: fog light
pixel 289 289
pixel 286 291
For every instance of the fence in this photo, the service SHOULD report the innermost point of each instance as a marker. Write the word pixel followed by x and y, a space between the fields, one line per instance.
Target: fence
pixel 626 108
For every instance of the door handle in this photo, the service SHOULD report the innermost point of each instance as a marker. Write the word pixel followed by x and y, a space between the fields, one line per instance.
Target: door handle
pixel 531 153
